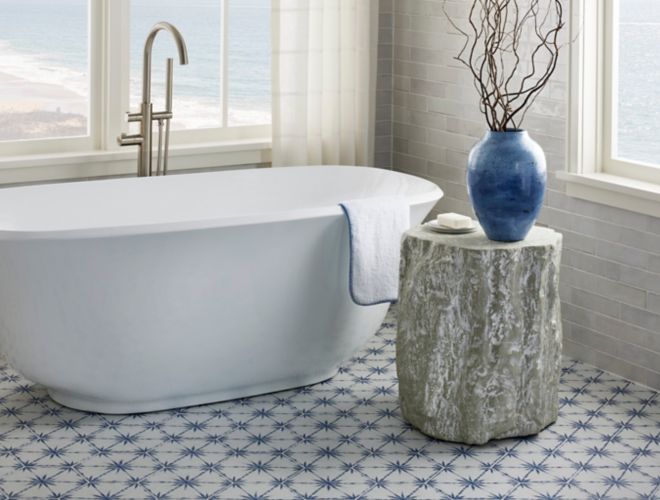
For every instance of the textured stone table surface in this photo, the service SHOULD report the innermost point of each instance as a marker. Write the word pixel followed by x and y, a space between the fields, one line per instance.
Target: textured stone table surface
pixel 479 334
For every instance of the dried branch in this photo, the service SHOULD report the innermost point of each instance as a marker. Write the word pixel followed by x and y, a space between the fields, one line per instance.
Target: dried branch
pixel 511 48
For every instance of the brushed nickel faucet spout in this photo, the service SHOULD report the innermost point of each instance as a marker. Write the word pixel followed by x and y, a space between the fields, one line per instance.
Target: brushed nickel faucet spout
pixel 146 115
pixel 148 49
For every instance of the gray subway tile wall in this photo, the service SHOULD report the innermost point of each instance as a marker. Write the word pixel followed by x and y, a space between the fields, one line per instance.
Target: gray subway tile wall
pixel 383 141
pixel 611 263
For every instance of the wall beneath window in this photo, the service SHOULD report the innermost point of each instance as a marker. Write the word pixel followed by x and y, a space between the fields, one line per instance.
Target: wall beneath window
pixel 610 282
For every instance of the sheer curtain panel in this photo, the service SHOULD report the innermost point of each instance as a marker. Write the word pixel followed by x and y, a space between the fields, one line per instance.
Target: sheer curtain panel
pixel 324 81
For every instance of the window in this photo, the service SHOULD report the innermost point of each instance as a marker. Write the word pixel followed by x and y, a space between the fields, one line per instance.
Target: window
pixel 614 125
pixel 45 79
pixel 197 87
pixel 71 69
pixel 249 62
pixel 632 93
pixel 636 41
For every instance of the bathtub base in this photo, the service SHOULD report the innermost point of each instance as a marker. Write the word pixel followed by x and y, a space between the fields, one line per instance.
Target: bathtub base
pixel 96 405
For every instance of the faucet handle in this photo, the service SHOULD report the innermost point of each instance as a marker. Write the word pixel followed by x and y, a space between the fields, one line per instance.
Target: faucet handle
pixel 160 115
pixel 129 140
pixel 133 117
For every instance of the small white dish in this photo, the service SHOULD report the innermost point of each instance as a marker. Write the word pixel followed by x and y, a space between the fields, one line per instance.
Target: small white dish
pixel 434 226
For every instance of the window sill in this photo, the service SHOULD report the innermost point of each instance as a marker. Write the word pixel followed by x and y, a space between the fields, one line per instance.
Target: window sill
pixel 91 164
pixel 612 190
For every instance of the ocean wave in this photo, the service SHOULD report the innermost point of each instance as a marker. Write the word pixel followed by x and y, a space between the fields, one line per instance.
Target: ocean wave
pixel 40 68
pixel 190 112
pixel 198 112
pixel 241 117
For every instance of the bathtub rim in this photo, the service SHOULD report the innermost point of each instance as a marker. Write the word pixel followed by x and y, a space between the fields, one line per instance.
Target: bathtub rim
pixel 434 194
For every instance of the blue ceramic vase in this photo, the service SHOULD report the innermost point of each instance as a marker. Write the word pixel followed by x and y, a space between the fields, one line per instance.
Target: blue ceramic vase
pixel 506 181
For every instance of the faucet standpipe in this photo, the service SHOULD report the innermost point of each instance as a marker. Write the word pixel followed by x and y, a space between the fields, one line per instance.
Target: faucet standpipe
pixel 147 116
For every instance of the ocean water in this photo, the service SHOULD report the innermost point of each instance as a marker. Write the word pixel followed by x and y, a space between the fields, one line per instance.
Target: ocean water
pixel 198 85
pixel 46 41
pixel 638 130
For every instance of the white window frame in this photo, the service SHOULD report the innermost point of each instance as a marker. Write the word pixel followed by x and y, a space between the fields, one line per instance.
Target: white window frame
pixel 99 154
pixel 593 173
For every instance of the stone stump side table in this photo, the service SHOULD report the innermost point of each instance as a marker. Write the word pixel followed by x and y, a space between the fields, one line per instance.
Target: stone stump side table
pixel 478 347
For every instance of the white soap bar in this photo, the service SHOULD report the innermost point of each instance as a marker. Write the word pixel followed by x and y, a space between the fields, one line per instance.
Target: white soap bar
pixel 454 221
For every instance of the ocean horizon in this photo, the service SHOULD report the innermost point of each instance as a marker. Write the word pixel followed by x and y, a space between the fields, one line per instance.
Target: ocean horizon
pixel 46 69
pixel 638 127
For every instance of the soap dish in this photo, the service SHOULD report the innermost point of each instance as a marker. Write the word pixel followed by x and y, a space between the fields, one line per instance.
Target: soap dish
pixel 434 226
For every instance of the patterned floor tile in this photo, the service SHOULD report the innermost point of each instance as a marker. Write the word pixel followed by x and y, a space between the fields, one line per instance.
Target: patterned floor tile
pixel 343 439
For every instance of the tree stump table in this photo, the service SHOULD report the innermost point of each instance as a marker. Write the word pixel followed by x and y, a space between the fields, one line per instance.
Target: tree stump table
pixel 478 346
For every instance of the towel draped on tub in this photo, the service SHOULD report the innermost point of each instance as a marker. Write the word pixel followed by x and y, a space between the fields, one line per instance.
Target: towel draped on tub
pixel 376 226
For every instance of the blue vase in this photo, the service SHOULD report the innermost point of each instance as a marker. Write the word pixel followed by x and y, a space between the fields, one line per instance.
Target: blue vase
pixel 506 181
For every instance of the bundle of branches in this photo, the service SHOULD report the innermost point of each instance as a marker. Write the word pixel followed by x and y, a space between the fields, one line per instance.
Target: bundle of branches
pixel 511 49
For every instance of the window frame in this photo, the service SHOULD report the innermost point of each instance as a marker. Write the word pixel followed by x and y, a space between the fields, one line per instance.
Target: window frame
pixel 593 173
pixel 72 144
pixel 611 164
pixel 62 158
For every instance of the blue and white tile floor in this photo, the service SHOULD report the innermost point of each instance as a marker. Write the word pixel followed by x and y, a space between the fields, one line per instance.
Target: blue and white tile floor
pixel 340 439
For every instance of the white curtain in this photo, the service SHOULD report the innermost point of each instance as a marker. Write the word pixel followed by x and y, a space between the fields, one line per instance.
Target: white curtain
pixel 324 81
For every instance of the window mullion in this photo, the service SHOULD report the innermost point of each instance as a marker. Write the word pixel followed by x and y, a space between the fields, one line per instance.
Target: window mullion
pixel 610 77
pixel 224 62
pixel 115 69
pixel 585 96
pixel 95 31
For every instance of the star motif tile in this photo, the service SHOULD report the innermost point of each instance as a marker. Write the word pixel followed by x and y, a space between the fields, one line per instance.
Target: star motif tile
pixel 342 439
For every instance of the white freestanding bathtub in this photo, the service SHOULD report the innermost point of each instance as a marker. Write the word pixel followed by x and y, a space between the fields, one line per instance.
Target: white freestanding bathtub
pixel 135 295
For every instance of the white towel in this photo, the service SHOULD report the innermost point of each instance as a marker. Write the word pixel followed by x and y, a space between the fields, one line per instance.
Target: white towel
pixel 376 226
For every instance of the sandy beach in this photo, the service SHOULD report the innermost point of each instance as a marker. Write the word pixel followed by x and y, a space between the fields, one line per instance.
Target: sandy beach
pixel 35 110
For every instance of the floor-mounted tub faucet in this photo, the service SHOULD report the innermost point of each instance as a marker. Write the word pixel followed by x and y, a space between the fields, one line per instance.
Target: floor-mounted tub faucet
pixel 146 116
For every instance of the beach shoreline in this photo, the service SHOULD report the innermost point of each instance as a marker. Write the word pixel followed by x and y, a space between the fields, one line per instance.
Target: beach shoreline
pixel 36 110
pixel 19 94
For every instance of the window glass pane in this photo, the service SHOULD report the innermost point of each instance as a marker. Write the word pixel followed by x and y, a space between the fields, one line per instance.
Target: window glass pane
pixel 637 98
pixel 197 102
pixel 44 69
pixel 249 62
